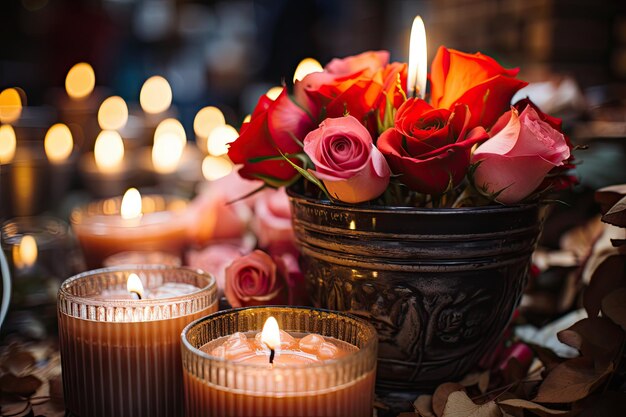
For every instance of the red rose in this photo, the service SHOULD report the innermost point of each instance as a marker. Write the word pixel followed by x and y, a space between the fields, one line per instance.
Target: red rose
pixel 275 125
pixel 255 279
pixel 475 80
pixel 430 148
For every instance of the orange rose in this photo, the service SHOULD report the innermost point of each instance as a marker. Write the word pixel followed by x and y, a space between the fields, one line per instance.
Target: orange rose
pixel 475 80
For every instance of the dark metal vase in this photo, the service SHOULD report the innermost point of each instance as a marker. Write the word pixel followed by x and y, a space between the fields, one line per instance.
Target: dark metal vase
pixel 440 285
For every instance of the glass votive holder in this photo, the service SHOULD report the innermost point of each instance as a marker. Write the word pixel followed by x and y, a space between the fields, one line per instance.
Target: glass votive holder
pixel 343 386
pixel 41 253
pixel 121 356
pixel 102 232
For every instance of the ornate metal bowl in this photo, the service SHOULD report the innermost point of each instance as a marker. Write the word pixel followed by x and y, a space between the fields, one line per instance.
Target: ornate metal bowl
pixel 439 285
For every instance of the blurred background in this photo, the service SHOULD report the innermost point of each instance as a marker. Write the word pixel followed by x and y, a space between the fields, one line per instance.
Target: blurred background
pixel 226 53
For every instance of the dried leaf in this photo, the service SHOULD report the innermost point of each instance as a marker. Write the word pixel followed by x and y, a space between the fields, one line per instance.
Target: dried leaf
pixel 460 405
pixel 571 381
pixel 614 307
pixel 481 379
pixel 424 406
pixel 18 362
pixel 578 240
pixel 596 337
pixel 408 414
pixel 607 277
pixel 21 385
pixel 549 359
pixel 540 410
pixel 617 214
pixel 440 397
pixel 607 197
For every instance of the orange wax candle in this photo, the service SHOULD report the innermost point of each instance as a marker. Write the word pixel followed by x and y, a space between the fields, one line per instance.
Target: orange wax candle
pixel 324 364
pixel 120 354
pixel 104 229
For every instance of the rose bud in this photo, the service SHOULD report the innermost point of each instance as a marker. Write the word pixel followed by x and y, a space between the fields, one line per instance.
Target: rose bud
pixel 346 160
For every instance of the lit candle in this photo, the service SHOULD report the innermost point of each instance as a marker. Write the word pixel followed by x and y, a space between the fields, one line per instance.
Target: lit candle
pixel 274 92
pixel 133 223
pixel 78 104
pixel 216 167
pixel 120 354
pixel 323 364
pixel 220 139
pixel 108 170
pixel 155 95
pixel 305 67
pixel 58 143
pixel 8 144
pixel 418 60
pixel 10 105
pixel 113 113
pixel 169 143
pixel 207 119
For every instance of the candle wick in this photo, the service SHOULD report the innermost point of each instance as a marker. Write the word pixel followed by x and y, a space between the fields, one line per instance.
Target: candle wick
pixel 137 294
pixel 272 353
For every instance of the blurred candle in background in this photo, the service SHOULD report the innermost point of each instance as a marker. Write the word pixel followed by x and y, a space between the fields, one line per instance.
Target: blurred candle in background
pixel 305 67
pixel 206 120
pixel 132 223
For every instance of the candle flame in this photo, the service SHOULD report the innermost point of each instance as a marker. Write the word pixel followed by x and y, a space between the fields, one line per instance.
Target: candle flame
pixel 306 67
pixel 220 138
pixel 166 152
pixel 25 253
pixel 216 167
pixel 418 60
pixel 274 92
pixel 270 335
pixel 155 95
pixel 173 127
pixel 207 119
pixel 113 113
pixel 134 285
pixel 80 80
pixel 7 144
pixel 58 143
pixel 131 204
pixel 10 105
pixel 109 150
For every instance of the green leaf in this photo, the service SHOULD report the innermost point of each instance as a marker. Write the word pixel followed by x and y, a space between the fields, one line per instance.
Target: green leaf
pixel 306 174
pixel 276 182
pixel 259 159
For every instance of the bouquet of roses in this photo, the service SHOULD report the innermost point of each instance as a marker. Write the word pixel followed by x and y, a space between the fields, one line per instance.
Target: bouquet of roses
pixel 352 131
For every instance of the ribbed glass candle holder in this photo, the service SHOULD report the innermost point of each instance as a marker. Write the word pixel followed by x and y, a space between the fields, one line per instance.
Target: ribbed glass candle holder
pixel 123 357
pixel 339 387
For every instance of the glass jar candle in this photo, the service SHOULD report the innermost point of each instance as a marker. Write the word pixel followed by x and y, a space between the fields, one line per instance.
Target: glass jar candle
pixel 121 355
pixel 220 381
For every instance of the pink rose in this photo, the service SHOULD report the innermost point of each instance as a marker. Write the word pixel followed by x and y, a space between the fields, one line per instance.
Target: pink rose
pixel 522 150
pixel 346 160
pixel 255 279
pixel 215 259
pixel 298 294
pixel 272 222
pixel 370 62
pixel 210 216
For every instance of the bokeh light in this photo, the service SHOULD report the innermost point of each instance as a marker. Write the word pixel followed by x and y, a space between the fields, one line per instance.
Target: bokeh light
pixel 155 95
pixel 58 143
pixel 80 80
pixel 113 113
